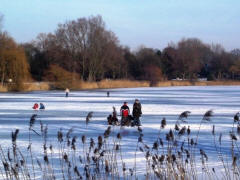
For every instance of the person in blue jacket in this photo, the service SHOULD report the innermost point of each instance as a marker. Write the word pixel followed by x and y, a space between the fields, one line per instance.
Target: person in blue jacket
pixel 42 106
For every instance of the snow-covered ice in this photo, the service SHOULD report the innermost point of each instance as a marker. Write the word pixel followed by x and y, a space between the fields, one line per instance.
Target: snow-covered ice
pixel 169 102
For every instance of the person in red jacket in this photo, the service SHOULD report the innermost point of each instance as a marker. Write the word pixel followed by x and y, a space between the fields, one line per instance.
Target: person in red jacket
pixel 124 112
pixel 35 106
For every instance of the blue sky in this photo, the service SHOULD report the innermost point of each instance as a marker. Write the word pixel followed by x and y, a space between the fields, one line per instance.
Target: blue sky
pixel 152 23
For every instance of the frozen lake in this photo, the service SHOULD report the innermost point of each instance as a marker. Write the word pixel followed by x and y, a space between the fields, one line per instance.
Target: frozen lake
pixel 169 102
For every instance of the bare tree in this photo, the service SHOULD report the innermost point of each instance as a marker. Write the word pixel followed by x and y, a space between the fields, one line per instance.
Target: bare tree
pixel 169 54
pixel 85 47
pixel 146 59
pixel 1 20
pixel 102 48
pixel 189 60
pixel 95 43
pixel 72 37
pixel 221 64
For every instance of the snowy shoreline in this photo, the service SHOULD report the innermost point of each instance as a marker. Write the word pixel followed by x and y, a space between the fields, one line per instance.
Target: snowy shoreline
pixel 114 84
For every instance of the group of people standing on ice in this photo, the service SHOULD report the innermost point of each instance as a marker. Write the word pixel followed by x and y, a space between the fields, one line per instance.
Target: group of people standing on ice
pixel 126 118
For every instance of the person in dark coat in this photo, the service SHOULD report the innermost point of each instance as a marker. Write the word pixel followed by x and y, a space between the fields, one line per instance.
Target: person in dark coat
pixel 137 112
pixel 42 106
pixel 124 112
pixel 112 118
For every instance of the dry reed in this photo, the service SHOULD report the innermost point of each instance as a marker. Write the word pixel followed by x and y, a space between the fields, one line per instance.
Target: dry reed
pixel 173 154
pixel 3 89
pixel 36 86
pixel 124 83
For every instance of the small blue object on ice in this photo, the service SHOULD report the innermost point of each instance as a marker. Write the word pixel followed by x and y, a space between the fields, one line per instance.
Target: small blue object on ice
pixel 42 106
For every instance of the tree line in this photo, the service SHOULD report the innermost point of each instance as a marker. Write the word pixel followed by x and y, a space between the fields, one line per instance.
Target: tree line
pixel 84 49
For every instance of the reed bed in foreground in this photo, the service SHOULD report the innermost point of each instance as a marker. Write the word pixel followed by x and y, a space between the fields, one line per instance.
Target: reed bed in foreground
pixel 174 154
